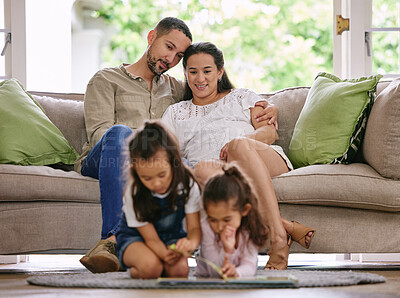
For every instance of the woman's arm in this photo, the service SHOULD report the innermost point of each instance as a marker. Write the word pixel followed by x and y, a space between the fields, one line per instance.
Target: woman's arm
pixel 192 241
pixel 264 132
pixel 269 112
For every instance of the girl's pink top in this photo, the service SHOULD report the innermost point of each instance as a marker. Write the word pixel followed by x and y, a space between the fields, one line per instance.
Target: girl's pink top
pixel 211 248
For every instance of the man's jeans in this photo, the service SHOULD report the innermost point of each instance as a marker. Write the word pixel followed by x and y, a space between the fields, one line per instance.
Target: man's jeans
pixel 106 162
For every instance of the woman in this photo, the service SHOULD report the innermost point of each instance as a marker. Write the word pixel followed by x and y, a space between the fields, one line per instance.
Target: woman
pixel 217 122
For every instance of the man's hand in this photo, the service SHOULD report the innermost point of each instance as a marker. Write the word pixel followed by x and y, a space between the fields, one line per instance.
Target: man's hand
pixel 269 113
pixel 223 154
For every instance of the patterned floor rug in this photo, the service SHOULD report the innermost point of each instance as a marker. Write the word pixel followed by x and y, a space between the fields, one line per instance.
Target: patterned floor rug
pixel 264 279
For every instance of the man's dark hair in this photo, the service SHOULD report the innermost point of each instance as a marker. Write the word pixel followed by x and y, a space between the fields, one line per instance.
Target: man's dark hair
pixel 168 24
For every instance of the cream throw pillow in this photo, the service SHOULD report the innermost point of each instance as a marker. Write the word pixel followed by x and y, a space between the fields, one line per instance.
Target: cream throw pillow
pixel 381 148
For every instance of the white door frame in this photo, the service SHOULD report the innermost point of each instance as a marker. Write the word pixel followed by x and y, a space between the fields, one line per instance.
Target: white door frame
pixel 15 56
pixel 350 59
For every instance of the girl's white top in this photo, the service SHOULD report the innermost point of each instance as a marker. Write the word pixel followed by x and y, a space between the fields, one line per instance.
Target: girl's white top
pixel 192 205
pixel 203 130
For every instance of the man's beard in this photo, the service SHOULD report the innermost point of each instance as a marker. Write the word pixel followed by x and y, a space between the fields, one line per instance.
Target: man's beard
pixel 152 64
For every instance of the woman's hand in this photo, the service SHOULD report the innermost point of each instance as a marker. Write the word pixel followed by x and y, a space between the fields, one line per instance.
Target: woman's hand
pixel 269 113
pixel 228 239
pixel 228 269
pixel 223 154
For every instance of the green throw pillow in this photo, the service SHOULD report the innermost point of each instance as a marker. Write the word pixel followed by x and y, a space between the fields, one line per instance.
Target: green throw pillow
pixel 332 122
pixel 27 136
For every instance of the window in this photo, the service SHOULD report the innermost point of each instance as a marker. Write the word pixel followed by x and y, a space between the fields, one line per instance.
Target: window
pixel 371 45
pixel 384 36
pixel 268 45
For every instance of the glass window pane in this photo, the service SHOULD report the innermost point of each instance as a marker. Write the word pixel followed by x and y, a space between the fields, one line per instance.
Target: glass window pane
pixel 385 47
pixel 385 13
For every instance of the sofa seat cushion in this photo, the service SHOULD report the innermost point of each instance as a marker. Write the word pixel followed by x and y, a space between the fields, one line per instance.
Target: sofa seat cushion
pixel 42 183
pixel 355 185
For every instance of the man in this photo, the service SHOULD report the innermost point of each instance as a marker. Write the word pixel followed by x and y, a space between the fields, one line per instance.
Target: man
pixel 117 101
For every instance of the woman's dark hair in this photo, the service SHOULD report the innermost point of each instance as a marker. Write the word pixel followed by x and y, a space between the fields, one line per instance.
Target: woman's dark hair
pixel 144 144
pixel 233 186
pixel 170 23
pixel 211 49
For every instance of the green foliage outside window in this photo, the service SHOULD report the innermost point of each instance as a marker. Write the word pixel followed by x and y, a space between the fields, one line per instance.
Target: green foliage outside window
pixel 268 44
pixel 385 45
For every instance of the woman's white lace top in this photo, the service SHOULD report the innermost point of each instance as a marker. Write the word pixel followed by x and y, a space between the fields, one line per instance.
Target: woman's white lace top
pixel 203 130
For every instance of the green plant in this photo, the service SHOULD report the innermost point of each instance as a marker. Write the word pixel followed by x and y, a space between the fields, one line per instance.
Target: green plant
pixel 267 44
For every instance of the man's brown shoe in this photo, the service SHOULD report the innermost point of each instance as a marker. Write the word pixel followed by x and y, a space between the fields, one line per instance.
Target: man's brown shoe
pixel 101 258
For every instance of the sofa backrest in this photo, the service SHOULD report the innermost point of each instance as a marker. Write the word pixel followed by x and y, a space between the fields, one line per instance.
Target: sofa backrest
pixel 66 112
pixel 289 101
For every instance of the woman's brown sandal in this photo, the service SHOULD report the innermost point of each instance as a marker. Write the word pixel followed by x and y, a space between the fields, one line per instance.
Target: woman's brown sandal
pixel 300 232
pixel 278 259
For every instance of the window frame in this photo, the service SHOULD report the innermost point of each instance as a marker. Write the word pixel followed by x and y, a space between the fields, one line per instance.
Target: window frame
pixel 15 54
pixel 347 60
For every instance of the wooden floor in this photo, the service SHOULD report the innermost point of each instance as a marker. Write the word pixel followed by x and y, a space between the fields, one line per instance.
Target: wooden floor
pixel 13 283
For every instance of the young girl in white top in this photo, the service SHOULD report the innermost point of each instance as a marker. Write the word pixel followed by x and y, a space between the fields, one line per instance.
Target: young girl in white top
pixel 233 229
pixel 161 192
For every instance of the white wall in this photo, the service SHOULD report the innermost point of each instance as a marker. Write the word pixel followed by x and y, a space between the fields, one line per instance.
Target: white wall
pixel 86 57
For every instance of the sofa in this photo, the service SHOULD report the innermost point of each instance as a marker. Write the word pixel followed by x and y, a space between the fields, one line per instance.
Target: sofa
pixel 56 210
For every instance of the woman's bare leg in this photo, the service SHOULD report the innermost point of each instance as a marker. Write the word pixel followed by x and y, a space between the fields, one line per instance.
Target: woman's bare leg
pixel 204 170
pixel 260 162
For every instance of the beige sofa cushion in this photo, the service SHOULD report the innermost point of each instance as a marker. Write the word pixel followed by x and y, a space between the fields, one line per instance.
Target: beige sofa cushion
pixel 381 147
pixel 41 183
pixel 355 185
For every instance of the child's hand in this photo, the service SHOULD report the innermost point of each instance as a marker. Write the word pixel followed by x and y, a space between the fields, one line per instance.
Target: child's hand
pixel 228 238
pixel 171 257
pixel 185 245
pixel 228 269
